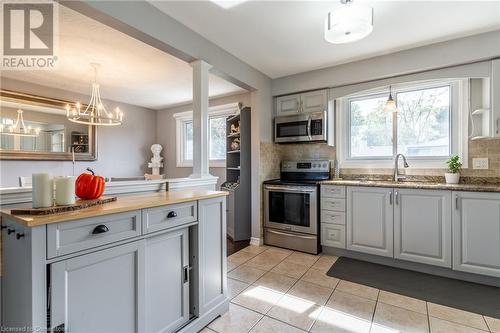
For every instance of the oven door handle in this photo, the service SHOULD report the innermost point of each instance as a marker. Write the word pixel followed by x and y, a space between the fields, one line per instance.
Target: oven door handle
pixel 290 189
pixel 294 235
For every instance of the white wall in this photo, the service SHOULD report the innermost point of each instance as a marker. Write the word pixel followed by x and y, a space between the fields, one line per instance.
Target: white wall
pixel 122 151
pixel 450 53
pixel 166 136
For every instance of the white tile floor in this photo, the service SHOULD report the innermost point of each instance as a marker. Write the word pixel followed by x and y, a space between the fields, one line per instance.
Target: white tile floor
pixel 280 291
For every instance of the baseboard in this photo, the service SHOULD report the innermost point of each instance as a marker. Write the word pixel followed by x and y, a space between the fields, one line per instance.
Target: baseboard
pixel 256 241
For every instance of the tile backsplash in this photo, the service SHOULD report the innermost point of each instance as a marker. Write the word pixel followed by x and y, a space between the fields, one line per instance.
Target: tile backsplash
pixel 272 154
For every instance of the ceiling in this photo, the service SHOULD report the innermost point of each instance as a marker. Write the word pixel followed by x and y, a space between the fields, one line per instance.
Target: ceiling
pixel 130 72
pixel 280 38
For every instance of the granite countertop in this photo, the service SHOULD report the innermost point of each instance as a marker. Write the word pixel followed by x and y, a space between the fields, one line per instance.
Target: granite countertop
pixel 416 185
pixel 123 204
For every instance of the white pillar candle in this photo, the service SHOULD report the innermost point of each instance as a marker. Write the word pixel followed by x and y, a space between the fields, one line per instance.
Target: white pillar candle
pixel 65 190
pixel 42 190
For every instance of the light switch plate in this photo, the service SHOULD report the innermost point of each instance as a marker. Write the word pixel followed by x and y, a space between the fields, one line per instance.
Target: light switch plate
pixel 480 163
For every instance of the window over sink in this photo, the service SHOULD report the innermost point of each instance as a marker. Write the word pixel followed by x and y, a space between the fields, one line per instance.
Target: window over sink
pixel 430 125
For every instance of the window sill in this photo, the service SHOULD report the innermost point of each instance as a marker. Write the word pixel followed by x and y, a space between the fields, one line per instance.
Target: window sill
pixel 211 164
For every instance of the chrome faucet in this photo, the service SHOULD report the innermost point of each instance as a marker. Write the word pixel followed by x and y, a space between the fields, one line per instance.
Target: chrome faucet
pixel 397 176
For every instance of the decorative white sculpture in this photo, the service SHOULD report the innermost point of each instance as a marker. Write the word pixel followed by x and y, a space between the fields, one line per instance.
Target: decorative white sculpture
pixel 156 163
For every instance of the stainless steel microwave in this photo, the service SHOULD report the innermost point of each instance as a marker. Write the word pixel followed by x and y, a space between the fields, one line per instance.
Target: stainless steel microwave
pixel 306 127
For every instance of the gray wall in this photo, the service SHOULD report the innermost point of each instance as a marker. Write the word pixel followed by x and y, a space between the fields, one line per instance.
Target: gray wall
pixel 167 34
pixel 122 151
pixel 450 53
pixel 166 136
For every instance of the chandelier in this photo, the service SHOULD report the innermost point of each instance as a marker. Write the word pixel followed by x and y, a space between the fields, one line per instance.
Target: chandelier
pixel 348 23
pixel 95 112
pixel 19 128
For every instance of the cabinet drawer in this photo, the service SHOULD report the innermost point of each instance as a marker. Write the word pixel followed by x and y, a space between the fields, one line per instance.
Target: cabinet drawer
pixel 165 217
pixel 333 235
pixel 330 216
pixel 335 204
pixel 332 191
pixel 72 236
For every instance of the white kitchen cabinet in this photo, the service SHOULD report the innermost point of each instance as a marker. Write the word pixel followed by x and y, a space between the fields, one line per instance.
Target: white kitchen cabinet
pixel 99 292
pixel 476 233
pixel 370 220
pixel 167 281
pixel 422 226
pixel 288 105
pixel 313 101
pixel 333 235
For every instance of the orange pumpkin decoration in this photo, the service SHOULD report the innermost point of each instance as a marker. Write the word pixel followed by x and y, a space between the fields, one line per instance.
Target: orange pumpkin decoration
pixel 89 186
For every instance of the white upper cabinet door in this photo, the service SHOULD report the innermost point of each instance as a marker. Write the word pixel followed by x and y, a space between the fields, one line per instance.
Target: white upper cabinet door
pixel 370 220
pixel 99 292
pixel 314 101
pixel 422 226
pixel 476 233
pixel 495 97
pixel 167 281
pixel 288 105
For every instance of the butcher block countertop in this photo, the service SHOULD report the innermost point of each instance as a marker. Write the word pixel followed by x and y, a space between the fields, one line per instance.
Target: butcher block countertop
pixel 123 204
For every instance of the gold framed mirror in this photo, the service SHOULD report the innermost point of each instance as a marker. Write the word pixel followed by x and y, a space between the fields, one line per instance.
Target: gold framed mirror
pixel 43 131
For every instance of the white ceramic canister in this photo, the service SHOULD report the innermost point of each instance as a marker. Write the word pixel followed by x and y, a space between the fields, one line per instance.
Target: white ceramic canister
pixel 42 190
pixel 65 190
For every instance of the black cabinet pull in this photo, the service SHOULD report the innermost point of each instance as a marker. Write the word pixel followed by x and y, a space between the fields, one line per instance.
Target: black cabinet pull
pixel 11 231
pixel 100 229
pixel 3 227
pixel 171 214
pixel 19 236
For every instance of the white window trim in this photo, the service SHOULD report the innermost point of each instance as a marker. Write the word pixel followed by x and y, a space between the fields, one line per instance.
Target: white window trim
pixel 181 118
pixel 459 126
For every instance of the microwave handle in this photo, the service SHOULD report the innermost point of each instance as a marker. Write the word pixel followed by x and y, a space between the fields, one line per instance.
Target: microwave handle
pixel 309 121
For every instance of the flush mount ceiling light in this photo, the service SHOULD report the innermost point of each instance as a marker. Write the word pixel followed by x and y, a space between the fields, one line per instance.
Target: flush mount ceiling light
pixel 19 128
pixel 349 23
pixel 390 105
pixel 95 113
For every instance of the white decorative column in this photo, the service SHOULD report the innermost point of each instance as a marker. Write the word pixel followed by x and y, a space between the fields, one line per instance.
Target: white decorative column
pixel 200 119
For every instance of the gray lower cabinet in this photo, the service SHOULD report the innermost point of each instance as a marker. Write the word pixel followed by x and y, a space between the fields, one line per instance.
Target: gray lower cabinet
pixel 167 277
pixel 167 281
pixel 476 233
pixel 99 292
pixel 422 226
pixel 370 220
pixel 211 235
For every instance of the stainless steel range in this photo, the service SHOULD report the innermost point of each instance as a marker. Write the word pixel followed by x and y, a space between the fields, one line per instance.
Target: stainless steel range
pixel 291 205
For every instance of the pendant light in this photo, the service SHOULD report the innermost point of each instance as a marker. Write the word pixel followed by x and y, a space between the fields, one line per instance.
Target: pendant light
pixel 349 23
pixel 95 113
pixel 19 128
pixel 390 105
